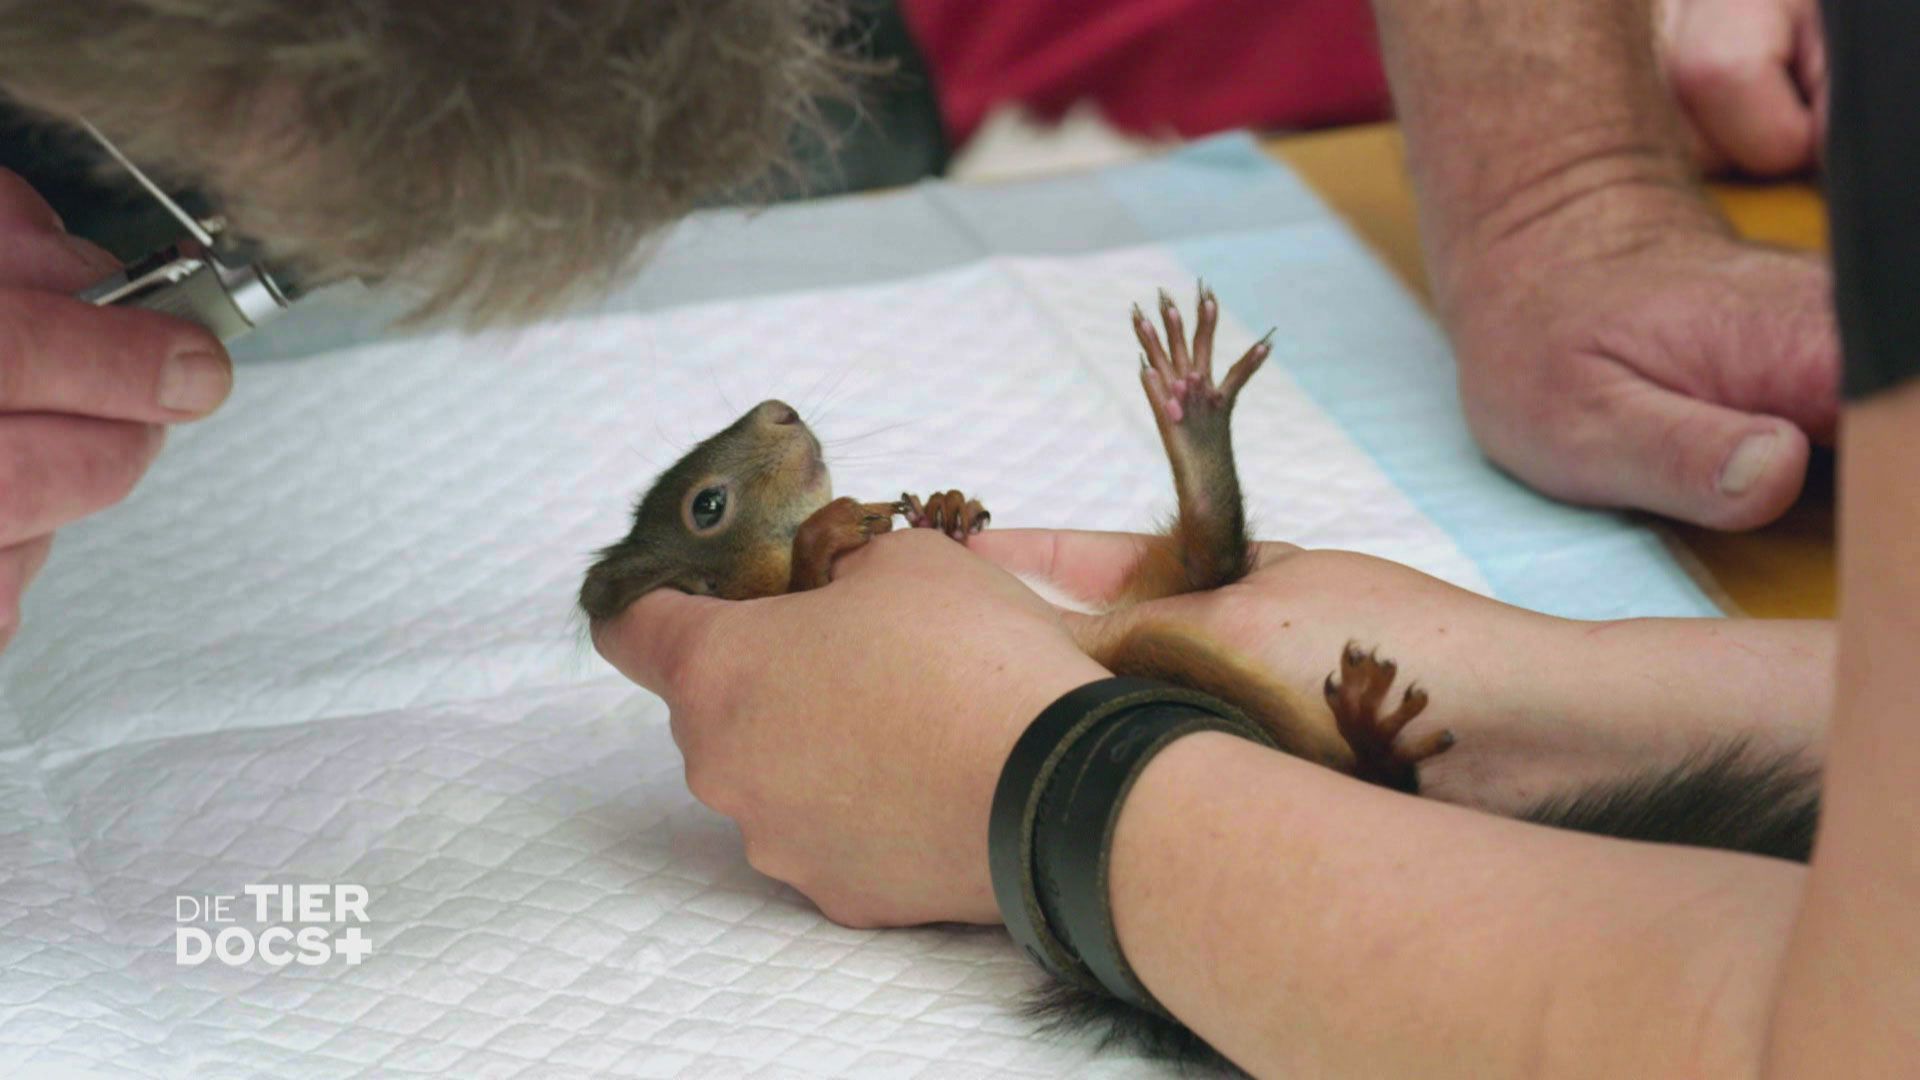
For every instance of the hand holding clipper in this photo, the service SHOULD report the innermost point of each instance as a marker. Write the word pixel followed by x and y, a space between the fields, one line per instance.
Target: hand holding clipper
pixel 85 392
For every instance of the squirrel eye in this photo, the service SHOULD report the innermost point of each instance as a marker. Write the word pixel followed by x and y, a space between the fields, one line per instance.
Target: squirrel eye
pixel 708 507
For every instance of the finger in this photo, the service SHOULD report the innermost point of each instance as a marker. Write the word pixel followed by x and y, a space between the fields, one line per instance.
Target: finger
pixel 1091 565
pixel 60 355
pixel 1176 335
pixel 1243 368
pixel 51 261
pixel 659 639
pixel 1654 449
pixel 1150 341
pixel 37 251
pixel 58 469
pixel 1810 69
pixel 23 208
pixel 1207 314
pixel 1743 97
pixel 1165 405
pixel 18 566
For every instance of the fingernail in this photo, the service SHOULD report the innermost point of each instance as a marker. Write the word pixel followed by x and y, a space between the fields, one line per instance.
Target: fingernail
pixel 194 381
pixel 1747 462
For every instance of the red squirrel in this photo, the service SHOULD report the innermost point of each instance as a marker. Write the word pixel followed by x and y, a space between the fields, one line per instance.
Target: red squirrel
pixel 750 512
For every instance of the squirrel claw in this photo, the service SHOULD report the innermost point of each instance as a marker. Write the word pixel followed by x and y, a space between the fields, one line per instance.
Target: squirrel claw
pixel 1178 376
pixel 1355 695
pixel 948 511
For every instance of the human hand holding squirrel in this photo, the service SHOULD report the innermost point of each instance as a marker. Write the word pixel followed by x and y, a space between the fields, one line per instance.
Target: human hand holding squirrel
pixel 855 733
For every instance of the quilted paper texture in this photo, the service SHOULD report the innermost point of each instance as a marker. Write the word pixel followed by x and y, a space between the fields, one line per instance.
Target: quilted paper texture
pixel 545 902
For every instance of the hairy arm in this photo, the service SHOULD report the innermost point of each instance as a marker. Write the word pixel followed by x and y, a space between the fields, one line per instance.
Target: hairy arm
pixel 1308 925
pixel 1516 109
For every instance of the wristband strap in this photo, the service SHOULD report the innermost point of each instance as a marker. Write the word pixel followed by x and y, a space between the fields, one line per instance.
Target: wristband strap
pixel 1054 810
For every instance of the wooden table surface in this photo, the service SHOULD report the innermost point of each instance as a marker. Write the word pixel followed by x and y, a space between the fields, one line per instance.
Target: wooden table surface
pixel 1784 570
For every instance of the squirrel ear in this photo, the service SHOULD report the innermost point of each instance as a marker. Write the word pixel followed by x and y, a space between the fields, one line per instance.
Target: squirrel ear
pixel 618 578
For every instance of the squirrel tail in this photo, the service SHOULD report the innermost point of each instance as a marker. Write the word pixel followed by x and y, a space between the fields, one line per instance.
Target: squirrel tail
pixel 1729 796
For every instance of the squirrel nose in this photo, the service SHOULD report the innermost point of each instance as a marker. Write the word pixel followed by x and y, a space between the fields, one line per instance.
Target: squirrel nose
pixel 778 412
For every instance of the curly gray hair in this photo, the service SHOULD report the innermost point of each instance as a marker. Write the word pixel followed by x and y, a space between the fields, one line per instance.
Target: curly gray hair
pixel 502 155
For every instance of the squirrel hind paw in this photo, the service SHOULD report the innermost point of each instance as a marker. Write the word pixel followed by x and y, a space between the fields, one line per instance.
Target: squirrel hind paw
pixel 1355 695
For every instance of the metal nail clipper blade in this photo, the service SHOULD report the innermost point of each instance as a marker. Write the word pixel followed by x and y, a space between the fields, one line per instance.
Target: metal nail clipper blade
pixel 205 277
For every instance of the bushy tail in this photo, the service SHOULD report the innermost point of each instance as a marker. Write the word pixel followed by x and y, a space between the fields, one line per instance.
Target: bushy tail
pixel 1729 796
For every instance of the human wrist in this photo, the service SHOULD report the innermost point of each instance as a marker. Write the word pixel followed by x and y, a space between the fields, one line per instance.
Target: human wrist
pixel 1055 809
pixel 1593 204
pixel 1035 692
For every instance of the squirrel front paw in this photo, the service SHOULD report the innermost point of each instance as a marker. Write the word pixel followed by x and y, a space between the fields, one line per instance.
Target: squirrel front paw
pixel 1355 696
pixel 948 511
pixel 1179 379
pixel 833 530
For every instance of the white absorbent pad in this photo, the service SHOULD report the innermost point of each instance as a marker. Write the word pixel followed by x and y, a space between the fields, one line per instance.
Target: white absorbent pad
pixel 329 639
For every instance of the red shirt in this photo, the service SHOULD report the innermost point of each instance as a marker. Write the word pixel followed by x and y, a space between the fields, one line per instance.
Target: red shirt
pixel 1187 66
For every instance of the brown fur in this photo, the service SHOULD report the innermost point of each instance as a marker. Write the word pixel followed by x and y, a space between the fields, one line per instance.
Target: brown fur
pixel 769 464
pixel 1184 657
pixel 501 155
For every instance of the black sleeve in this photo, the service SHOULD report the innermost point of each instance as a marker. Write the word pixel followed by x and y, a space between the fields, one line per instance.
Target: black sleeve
pixel 1873 187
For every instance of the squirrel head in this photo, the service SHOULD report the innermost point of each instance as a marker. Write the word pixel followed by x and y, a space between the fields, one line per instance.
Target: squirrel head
pixel 720 521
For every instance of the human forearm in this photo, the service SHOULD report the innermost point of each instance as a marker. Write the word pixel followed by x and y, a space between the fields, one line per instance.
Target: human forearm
pixel 1850 990
pixel 1606 700
pixel 1514 110
pixel 1306 924
pixel 1541 706
pixel 1851 985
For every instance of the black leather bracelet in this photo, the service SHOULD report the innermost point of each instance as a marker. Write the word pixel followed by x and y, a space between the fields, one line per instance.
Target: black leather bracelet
pixel 1054 811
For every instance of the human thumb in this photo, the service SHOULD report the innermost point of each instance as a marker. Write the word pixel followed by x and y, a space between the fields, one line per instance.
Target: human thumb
pixel 1694 460
pixel 656 639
